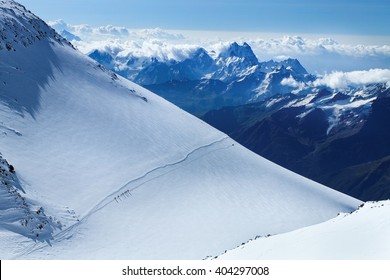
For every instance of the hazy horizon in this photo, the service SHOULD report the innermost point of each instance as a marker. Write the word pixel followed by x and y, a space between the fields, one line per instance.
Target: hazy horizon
pixel 337 17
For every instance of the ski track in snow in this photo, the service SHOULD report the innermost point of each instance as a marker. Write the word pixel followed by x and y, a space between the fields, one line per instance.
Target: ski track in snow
pixel 68 232
pixel 4 129
pixel 110 198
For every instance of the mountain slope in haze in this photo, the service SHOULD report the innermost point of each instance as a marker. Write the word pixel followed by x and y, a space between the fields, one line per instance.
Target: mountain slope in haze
pixel 125 173
pixel 362 235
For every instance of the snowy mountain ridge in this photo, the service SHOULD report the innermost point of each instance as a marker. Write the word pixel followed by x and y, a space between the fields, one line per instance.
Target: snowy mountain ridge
pixel 127 174
pixel 342 108
pixel 229 65
pixel 359 235
pixel 20 27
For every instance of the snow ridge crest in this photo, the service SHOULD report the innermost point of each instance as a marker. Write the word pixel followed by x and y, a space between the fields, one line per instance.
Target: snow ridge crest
pixel 21 28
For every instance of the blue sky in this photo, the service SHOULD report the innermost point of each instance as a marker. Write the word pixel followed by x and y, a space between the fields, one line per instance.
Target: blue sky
pixel 354 17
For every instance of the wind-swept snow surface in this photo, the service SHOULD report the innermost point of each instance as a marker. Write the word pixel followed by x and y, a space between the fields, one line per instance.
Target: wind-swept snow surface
pixel 126 174
pixel 362 234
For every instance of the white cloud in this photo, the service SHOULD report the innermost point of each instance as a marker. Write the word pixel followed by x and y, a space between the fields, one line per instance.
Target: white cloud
pixel 291 82
pixel 159 49
pixel 112 30
pixel 121 41
pixel 89 33
pixel 322 54
pixel 59 25
pixel 296 45
pixel 158 33
pixel 344 79
pixel 317 55
pixel 282 57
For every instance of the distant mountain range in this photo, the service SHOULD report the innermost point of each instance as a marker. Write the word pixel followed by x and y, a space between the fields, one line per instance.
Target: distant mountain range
pixel 205 81
pixel 338 137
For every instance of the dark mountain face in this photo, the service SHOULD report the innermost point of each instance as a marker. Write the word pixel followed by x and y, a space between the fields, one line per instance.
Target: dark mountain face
pixel 196 97
pixel 338 97
pixel 104 58
pixel 69 36
pixel 370 143
pixel 351 155
pixel 321 94
pixel 369 180
pixel 190 69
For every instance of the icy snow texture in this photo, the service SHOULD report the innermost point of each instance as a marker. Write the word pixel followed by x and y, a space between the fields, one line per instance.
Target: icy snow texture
pixel 363 234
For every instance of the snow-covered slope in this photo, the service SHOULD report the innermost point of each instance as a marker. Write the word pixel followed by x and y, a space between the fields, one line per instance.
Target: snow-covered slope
pixel 362 234
pixel 124 173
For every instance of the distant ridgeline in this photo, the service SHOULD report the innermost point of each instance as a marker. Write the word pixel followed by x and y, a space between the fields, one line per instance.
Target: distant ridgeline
pixel 201 83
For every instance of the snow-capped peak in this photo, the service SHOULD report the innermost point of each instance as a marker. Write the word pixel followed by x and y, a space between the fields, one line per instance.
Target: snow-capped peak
pixel 235 50
pixel 69 36
pixel 294 65
pixel 243 52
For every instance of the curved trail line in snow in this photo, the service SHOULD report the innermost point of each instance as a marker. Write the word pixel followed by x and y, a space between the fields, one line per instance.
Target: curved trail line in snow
pixel 110 198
